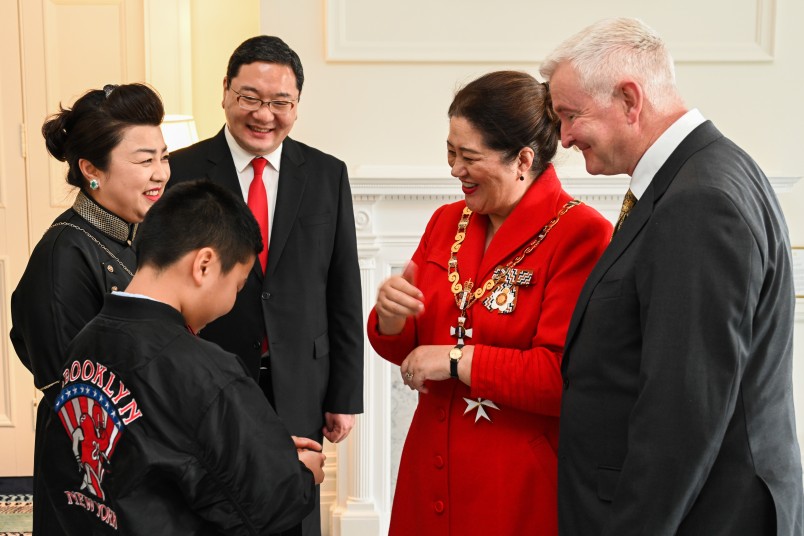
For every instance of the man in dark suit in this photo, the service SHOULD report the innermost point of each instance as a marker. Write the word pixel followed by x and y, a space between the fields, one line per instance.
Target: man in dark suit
pixel 298 327
pixel 677 415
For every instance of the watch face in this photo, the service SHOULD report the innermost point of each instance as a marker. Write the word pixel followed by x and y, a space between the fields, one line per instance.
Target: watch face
pixel 455 353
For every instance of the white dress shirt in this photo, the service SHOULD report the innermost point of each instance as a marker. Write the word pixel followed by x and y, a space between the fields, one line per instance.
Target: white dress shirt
pixel 658 153
pixel 245 174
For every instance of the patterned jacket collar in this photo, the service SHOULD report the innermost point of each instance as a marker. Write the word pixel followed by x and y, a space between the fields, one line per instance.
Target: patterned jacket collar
pixel 109 224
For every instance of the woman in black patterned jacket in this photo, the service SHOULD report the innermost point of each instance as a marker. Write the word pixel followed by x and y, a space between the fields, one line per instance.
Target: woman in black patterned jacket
pixel 113 145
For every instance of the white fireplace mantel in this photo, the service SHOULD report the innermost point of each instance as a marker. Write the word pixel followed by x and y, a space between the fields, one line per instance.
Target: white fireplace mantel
pixel 436 181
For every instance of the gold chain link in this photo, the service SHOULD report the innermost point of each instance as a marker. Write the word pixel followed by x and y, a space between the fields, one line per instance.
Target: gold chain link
pixel 463 299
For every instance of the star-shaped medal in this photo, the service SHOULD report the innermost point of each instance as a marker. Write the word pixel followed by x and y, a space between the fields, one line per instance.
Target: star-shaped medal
pixel 478 404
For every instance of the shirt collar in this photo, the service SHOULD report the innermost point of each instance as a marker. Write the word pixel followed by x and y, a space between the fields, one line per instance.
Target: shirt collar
pixel 130 295
pixel 658 153
pixel 242 158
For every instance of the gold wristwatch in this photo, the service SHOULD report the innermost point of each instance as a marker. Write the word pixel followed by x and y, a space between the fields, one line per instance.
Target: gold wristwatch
pixel 455 355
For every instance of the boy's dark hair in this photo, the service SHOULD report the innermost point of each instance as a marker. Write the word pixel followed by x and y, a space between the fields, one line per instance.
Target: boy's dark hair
pixel 95 124
pixel 265 48
pixel 194 215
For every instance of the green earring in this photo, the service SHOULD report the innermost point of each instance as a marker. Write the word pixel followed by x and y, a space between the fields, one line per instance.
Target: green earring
pixel 94 184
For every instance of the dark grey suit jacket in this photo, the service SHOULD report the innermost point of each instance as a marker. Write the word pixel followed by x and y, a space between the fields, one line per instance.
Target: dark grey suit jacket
pixel 677 415
pixel 309 302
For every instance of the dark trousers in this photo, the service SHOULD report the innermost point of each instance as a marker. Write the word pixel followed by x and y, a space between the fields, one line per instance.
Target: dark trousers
pixel 310 525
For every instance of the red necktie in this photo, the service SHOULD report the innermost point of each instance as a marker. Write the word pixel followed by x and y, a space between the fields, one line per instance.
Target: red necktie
pixel 258 203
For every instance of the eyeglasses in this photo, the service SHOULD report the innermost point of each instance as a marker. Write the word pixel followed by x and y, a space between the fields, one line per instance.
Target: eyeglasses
pixel 252 104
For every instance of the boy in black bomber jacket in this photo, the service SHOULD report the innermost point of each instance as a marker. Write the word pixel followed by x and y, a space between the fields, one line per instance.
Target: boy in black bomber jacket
pixel 158 431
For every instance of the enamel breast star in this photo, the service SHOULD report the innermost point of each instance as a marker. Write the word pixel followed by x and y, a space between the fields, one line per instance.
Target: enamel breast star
pixel 479 403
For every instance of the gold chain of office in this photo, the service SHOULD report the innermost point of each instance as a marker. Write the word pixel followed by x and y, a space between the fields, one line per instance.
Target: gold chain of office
pixel 464 297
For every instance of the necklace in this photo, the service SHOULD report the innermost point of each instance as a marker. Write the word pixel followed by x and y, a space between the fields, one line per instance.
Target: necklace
pixel 465 298
pixel 98 242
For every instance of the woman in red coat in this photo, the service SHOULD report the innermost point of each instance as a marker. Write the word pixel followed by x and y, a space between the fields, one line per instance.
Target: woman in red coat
pixel 477 321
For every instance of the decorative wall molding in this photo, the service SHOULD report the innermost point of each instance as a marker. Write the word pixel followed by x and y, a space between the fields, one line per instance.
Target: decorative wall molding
pixel 434 182
pixel 6 384
pixel 365 30
pixel 357 511
pixel 168 55
pixel 3 160
pixel 106 53
pixel 86 2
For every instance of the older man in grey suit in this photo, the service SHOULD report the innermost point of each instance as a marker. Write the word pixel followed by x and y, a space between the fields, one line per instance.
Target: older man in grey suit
pixel 677 416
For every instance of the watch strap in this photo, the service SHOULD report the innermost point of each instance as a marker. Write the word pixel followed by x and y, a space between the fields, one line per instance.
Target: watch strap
pixel 453 363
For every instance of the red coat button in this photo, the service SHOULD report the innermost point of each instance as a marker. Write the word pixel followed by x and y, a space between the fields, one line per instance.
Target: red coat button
pixel 439 462
pixel 438 506
pixel 442 415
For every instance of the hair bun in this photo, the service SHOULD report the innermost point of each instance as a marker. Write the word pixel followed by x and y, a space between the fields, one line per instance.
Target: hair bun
pixel 549 112
pixel 55 131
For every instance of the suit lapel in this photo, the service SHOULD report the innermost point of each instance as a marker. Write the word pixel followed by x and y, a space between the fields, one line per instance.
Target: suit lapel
pixel 222 172
pixel 637 219
pixel 703 135
pixel 292 183
pixel 222 169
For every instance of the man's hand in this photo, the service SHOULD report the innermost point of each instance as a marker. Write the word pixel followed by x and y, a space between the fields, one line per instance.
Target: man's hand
pixel 337 426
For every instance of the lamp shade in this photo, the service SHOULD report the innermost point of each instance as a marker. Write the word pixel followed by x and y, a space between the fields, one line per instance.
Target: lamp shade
pixel 179 131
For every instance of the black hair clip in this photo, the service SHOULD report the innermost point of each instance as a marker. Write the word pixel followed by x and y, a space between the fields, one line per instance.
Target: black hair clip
pixel 108 88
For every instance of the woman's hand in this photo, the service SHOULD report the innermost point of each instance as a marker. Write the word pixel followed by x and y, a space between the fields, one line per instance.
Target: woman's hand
pixel 397 299
pixel 431 362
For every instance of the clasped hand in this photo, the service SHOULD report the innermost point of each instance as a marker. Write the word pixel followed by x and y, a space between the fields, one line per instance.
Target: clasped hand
pixel 311 455
pixel 427 362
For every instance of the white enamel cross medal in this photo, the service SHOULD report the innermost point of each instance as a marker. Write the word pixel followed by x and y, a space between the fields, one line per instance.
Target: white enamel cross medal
pixel 459 332
pixel 479 403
